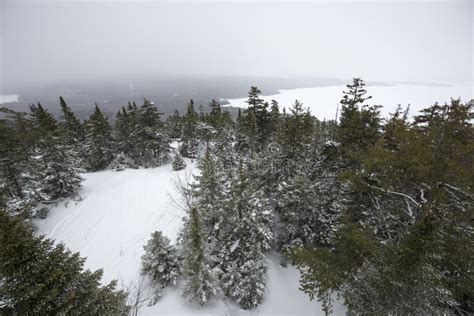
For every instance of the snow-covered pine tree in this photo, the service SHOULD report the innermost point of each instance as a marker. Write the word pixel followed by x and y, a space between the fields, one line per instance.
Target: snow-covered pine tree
pixel 360 123
pixel 98 146
pixel 200 283
pixel 70 126
pixel 42 278
pixel 174 125
pixel 160 262
pixel 44 123
pixel 256 119
pixel 178 163
pixel 246 234
pixel 189 147
pixel 56 169
pixel 71 134
pixel 310 209
pixel 209 193
pixel 153 142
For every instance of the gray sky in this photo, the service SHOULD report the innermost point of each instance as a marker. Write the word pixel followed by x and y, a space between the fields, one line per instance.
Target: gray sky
pixel 399 40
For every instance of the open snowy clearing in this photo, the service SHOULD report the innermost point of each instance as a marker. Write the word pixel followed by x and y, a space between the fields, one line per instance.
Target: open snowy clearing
pixel 114 219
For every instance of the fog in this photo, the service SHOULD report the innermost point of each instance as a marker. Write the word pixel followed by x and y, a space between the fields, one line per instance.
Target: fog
pixel 44 41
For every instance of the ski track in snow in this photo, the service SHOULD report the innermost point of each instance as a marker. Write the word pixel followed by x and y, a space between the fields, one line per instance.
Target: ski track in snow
pixel 114 220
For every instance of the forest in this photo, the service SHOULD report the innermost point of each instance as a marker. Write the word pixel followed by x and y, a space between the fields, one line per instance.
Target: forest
pixel 375 211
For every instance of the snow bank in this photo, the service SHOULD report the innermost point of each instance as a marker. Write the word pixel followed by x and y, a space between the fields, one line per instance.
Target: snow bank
pixel 114 219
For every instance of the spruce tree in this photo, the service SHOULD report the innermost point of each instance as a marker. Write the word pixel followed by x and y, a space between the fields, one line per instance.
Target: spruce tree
pixel 360 123
pixel 174 125
pixel 160 262
pixel 98 145
pixel 216 116
pixel 43 121
pixel 39 277
pixel 209 193
pixel 190 143
pixel 71 128
pixel 153 142
pixel 246 234
pixel 178 163
pixel 57 171
pixel 200 283
pixel 257 119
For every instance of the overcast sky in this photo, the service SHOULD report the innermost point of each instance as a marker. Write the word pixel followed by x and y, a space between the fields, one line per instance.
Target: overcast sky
pixel 415 41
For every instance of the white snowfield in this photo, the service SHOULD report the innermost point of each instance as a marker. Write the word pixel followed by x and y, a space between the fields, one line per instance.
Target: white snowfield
pixel 114 219
pixel 323 101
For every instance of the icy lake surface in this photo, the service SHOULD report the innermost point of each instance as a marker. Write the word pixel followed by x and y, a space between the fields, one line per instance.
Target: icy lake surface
pixel 323 101
pixel 4 98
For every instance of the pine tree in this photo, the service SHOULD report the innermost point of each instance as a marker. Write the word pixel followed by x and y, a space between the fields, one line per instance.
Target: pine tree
pixel 360 123
pixel 209 193
pixel 189 146
pixel 70 126
pixel 200 284
pixel 274 119
pixel 405 238
pixel 44 122
pixel 298 129
pixel 178 163
pixel 174 125
pixel 256 120
pixel 56 170
pixel 152 140
pixel 39 277
pixel 246 235
pixel 98 145
pixel 160 262
pixel 215 116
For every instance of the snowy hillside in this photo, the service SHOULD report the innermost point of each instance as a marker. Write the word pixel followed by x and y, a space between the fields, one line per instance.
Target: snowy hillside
pixel 115 218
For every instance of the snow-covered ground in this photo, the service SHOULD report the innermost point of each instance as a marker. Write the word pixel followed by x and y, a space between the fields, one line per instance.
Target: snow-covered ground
pixel 114 219
pixel 323 101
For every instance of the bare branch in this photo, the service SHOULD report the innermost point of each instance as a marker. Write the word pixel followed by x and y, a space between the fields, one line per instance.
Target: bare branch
pixel 409 198
pixel 455 189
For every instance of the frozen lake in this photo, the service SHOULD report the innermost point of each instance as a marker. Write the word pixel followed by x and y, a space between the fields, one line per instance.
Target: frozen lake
pixel 4 98
pixel 323 101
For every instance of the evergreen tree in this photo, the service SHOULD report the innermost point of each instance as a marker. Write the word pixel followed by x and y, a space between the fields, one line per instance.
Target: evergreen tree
pixel 274 119
pixel 189 146
pixel 43 122
pixel 360 123
pixel 160 262
pixel 19 186
pixel 178 163
pixel 257 119
pixel 246 235
pixel 215 116
pixel 209 193
pixel 200 284
pixel 56 170
pixel 174 125
pixel 39 277
pixel 98 145
pixel 406 251
pixel 298 129
pixel 71 128
pixel 152 140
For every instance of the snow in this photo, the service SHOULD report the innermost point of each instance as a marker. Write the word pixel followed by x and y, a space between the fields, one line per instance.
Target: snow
pixel 323 101
pixel 4 98
pixel 114 220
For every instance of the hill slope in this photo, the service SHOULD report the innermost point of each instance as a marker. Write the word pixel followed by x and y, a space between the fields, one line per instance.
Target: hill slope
pixel 115 218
